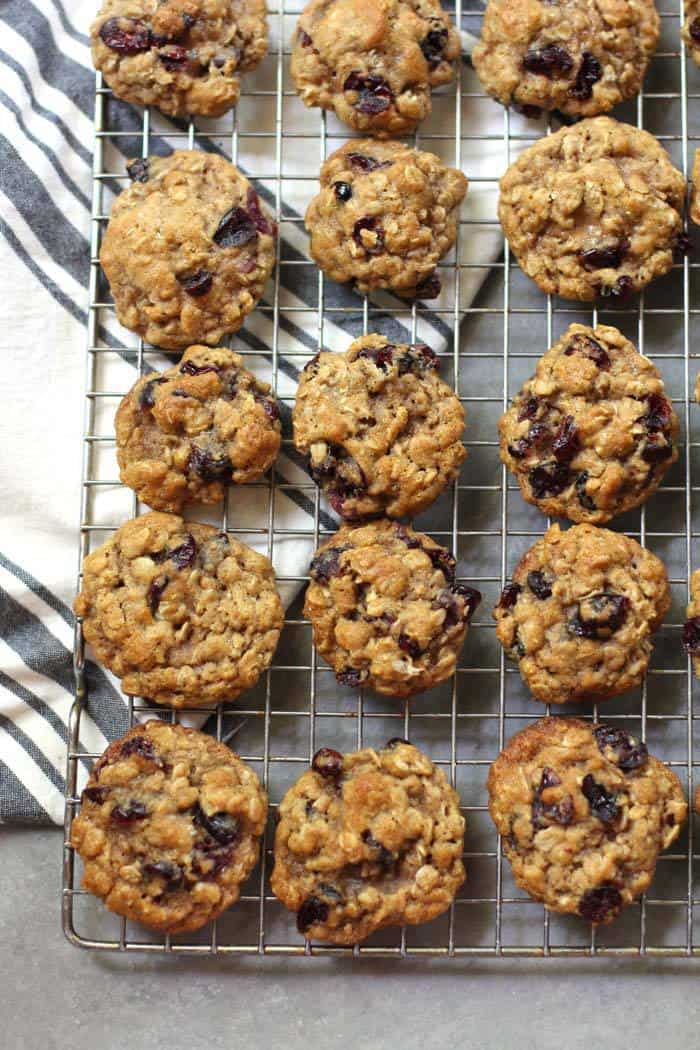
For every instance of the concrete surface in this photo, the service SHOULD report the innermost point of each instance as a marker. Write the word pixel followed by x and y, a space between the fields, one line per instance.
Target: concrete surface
pixel 55 997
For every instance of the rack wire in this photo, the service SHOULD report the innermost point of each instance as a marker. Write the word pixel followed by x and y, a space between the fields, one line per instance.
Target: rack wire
pixel 488 344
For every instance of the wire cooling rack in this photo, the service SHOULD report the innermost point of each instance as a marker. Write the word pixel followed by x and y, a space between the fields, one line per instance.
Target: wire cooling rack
pixel 488 346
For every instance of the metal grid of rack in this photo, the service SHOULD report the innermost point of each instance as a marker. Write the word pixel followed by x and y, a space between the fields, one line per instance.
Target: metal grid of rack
pixel 488 344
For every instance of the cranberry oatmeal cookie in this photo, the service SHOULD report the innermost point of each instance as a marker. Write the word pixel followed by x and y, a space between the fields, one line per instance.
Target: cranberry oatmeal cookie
pixel 385 608
pixel 366 840
pixel 595 209
pixel 691 28
pixel 184 434
pixel 381 429
pixel 385 216
pixel 584 811
pixel 169 827
pixel 691 628
pixel 183 56
pixel 580 612
pixel 183 614
pixel 374 62
pixel 580 57
pixel 592 433
pixel 187 250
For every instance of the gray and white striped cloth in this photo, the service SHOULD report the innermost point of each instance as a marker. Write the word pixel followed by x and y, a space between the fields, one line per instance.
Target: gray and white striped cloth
pixel 46 107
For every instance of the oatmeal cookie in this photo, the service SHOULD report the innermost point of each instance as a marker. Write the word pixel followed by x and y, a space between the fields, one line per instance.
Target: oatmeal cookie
pixel 187 250
pixel 184 434
pixel 595 209
pixel 183 614
pixel 385 608
pixel 592 433
pixel 691 628
pixel 368 839
pixel 183 56
pixel 580 57
pixel 374 62
pixel 381 429
pixel 385 216
pixel 694 202
pixel 169 827
pixel 580 612
pixel 584 811
pixel 691 28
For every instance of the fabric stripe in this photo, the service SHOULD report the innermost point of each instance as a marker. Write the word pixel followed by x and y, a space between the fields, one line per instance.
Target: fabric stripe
pixel 18 802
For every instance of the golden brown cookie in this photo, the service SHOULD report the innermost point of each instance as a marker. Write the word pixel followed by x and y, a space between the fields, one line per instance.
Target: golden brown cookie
pixel 580 613
pixel 169 827
pixel 581 57
pixel 183 56
pixel 694 202
pixel 183 614
pixel 368 839
pixel 184 434
pixel 381 429
pixel 691 628
pixel 187 250
pixel 592 433
pixel 593 210
pixel 385 216
pixel 386 609
pixel 584 811
pixel 374 62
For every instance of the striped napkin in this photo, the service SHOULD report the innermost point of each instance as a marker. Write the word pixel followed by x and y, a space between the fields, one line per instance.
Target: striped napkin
pixel 46 108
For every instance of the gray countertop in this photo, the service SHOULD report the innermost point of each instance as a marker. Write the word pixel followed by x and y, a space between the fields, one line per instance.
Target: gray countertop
pixel 65 998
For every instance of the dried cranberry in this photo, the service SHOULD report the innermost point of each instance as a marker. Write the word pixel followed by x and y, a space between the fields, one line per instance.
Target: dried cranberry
pixel 589 73
pixel 656 451
pixel 539 435
pixel 197 283
pixel 138 745
pixel 609 256
pixel 682 245
pixel 382 356
pixel 312 911
pixel 621 289
pixel 328 763
pixel 566 441
pixel 375 95
pixel 470 595
pixel 269 405
pixel 561 812
pixel 443 561
pixel 235 229
pixel 409 646
pixel 221 826
pixel 343 191
pixel 430 287
pixel 531 112
pixel 549 479
pixel 155 592
pixel 369 223
pixel 600 904
pixel 175 58
pixel 509 595
pixel 539 585
pixel 600 615
pixel 95 794
pixel 694 30
pixel 520 448
pixel 128 36
pixel 139 170
pixel 691 634
pixel 549 61
pixel 529 409
pixel 412 542
pixel 584 499
pixel 418 359
pixel 433 46
pixel 394 742
pixel 658 416
pixel 189 368
pixel 147 398
pixel 209 467
pixel 603 803
pixel 364 163
pixel 256 214
pixel 383 857
pixel 165 869
pixel 184 555
pixel 134 810
pixel 583 344
pixel 311 367
pixel 326 564
pixel 629 752
pixel 304 38
pixel 352 676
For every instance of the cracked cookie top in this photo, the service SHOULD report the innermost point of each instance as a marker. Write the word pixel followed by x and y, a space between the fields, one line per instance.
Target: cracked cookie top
pixel 385 216
pixel 386 609
pixel 584 811
pixel 184 434
pixel 381 429
pixel 187 250
pixel 581 57
pixel 580 612
pixel 183 614
pixel 366 840
pixel 183 56
pixel 593 210
pixel 592 433
pixel 374 62
pixel 169 827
